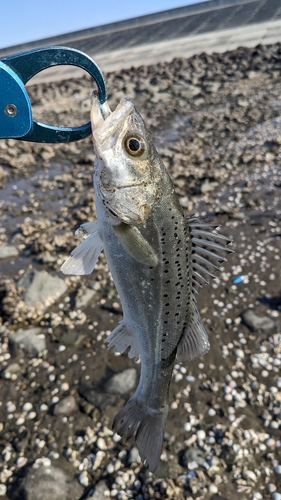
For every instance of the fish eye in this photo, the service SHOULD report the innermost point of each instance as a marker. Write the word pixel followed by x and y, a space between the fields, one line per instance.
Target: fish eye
pixel 134 145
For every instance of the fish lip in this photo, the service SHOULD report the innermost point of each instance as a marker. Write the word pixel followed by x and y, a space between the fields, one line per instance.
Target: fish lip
pixel 106 123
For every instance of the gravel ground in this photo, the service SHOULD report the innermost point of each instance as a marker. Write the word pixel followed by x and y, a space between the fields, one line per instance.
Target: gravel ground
pixel 216 121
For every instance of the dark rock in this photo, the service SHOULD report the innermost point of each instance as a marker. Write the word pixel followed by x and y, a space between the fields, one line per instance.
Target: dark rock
pixel 97 399
pixel 258 323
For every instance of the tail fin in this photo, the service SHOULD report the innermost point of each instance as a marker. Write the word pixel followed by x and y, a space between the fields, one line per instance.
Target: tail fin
pixel 147 426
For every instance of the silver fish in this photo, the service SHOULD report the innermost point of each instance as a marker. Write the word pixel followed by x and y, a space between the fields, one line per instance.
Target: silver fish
pixel 158 259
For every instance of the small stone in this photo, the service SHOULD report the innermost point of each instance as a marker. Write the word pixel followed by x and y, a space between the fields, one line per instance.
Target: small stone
pixel 8 251
pixel 271 488
pixel 276 496
pixel 257 495
pixel 84 478
pixel 239 353
pixel 211 412
pixel 201 435
pixel 213 488
pixel 21 462
pixel 20 421
pixel 277 469
pixel 101 444
pixel 248 474
pixel 27 406
pixel 133 456
pixel 121 382
pixel 66 407
pixel 3 490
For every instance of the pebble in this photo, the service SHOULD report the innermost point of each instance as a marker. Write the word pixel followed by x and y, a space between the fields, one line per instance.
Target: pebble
pixel 213 488
pixel 101 444
pixel 211 412
pixel 277 469
pixel 201 435
pixel 248 474
pixel 27 406
pixel 84 478
pixel 3 490
pixel 133 456
pixel 66 407
pixel 271 487
pixel 276 496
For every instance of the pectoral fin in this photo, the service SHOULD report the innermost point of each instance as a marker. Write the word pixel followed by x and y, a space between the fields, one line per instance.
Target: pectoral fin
pixel 135 244
pixel 84 257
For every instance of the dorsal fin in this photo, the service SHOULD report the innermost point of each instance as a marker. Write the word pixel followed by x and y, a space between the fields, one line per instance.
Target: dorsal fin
pixel 208 250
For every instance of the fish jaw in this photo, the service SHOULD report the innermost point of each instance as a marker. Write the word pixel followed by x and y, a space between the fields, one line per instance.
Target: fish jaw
pixel 128 183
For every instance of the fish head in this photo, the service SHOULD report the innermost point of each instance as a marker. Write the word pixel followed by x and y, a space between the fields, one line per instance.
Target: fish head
pixel 128 168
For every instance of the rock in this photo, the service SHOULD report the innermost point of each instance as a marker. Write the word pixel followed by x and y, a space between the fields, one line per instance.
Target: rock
pixel 85 298
pixel 208 186
pixel 212 87
pixel 191 456
pixel 190 91
pixel 12 371
pixel 8 251
pixel 243 103
pixel 67 336
pixel 66 407
pixel 32 341
pixel 98 400
pixel 101 492
pixel 121 382
pixel 41 289
pixel 48 482
pixel 258 323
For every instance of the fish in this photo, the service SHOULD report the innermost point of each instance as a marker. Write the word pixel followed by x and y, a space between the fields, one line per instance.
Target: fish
pixel 158 258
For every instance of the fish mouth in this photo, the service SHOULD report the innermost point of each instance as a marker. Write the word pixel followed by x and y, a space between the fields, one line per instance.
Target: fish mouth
pixel 105 123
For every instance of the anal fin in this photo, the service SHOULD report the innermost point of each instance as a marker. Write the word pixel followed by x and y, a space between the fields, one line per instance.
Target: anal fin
pixel 194 341
pixel 122 338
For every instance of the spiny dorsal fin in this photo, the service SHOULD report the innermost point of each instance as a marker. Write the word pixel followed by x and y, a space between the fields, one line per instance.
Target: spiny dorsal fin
pixel 208 250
